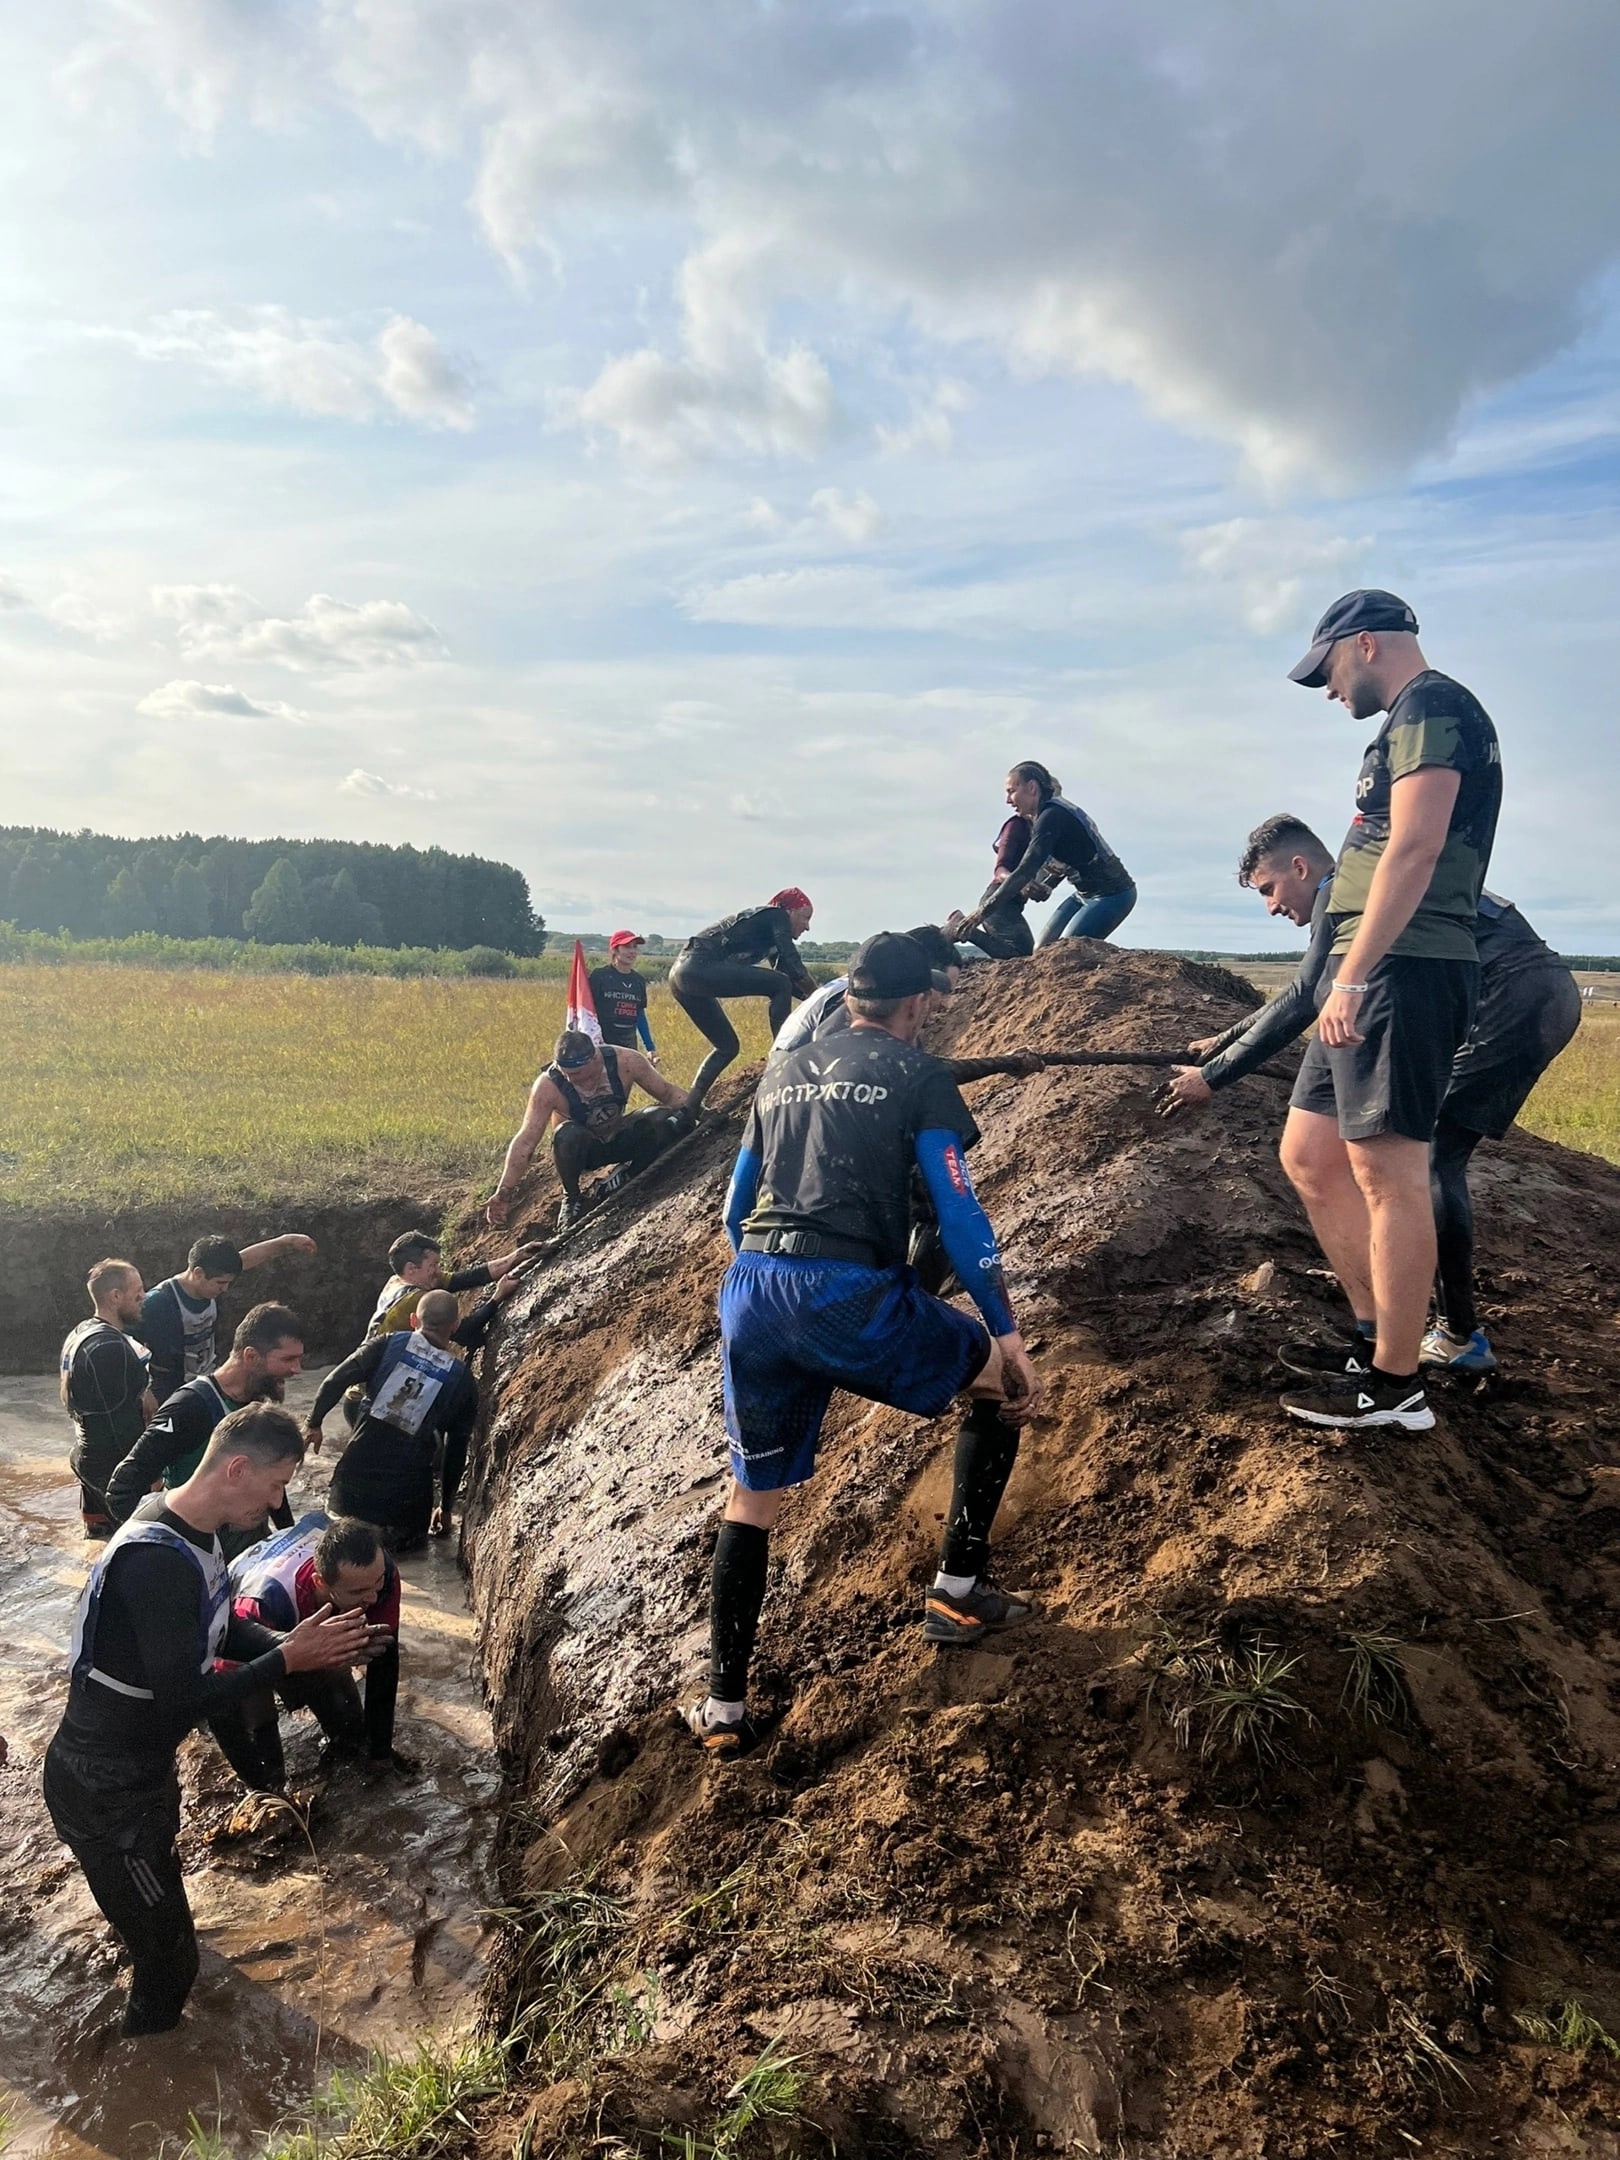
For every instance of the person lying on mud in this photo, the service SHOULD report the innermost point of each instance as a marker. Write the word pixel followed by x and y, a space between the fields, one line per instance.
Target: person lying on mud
pixel 819 1297
pixel 585 1088
pixel 178 1318
pixel 318 1564
pixel 153 1620
pixel 106 1387
pixel 1529 1008
pixel 420 1403
pixel 749 955
pixel 266 1352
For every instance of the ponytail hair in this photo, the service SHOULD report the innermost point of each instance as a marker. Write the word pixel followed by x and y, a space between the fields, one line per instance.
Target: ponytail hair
pixel 1048 783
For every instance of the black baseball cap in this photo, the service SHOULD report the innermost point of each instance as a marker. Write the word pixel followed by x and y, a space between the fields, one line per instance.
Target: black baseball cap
pixel 1366 610
pixel 892 965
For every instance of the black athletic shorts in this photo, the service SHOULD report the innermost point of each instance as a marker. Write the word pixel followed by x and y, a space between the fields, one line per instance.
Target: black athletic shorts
pixel 1413 1019
pixel 1525 1018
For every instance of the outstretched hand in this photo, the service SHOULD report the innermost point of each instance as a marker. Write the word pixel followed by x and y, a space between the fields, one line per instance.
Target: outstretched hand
pixel 496 1211
pixel 1186 1089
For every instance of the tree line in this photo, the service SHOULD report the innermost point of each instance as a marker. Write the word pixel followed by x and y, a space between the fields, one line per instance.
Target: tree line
pixel 271 892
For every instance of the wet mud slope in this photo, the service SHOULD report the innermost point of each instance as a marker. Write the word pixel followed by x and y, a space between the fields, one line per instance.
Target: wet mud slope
pixel 1289 1828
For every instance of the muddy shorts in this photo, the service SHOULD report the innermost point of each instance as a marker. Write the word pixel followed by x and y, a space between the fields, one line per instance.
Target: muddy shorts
pixel 791 1331
pixel 1413 1019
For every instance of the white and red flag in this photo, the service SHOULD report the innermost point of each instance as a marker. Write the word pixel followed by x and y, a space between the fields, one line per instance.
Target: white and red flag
pixel 582 1018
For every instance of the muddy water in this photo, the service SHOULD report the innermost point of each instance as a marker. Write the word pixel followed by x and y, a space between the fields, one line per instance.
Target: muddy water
pixel 309 1960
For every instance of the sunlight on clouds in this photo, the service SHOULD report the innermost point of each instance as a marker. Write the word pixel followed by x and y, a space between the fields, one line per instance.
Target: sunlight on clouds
pixel 375 788
pixel 313 367
pixel 213 701
pixel 224 622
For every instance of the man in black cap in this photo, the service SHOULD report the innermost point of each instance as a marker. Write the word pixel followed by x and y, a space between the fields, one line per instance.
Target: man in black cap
pixel 819 1297
pixel 585 1088
pixel 1395 1001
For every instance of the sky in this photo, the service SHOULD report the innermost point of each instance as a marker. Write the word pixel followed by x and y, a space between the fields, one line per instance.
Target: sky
pixel 691 451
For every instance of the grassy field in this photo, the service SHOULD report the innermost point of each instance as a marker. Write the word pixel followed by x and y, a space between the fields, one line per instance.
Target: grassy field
pixel 123 1086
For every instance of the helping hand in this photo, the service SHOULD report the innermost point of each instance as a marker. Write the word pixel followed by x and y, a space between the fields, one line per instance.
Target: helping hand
pixel 1186 1089
pixel 496 1211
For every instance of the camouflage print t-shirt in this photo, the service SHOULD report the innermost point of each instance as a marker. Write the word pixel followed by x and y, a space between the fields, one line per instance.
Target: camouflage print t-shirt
pixel 1434 721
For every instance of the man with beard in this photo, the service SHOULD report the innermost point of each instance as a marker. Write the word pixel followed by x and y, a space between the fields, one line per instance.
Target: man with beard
pixel 106 1387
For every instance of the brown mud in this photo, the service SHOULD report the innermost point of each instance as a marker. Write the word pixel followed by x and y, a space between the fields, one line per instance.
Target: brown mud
pixel 45 1256
pixel 1301 1791
pixel 306 1967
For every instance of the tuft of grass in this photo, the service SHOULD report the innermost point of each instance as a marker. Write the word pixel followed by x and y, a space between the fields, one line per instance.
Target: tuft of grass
pixel 421 2106
pixel 1570 2026
pixel 1375 1690
pixel 770 2092
pixel 1226 1701
pixel 1422 2060
pixel 572 2011
pixel 243 1089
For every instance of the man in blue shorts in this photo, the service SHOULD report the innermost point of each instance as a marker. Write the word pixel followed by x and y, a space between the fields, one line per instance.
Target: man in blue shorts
pixel 819 1297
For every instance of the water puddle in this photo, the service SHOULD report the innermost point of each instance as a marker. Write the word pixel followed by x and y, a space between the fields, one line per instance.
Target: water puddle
pixel 306 1968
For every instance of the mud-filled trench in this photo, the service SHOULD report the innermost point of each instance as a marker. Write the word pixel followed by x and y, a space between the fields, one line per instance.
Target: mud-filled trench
pixel 368 1934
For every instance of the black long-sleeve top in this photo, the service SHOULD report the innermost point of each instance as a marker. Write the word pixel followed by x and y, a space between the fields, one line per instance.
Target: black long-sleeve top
pixel 755 936
pixel 1251 1040
pixel 146 1636
pixel 1063 843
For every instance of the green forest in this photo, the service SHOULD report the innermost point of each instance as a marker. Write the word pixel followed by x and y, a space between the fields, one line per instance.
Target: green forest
pixel 270 892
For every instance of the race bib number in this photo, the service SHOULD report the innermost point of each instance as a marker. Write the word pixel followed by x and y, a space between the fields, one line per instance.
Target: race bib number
pixel 413 1386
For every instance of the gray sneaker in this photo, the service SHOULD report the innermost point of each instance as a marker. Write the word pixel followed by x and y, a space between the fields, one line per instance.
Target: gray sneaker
pixel 983 1610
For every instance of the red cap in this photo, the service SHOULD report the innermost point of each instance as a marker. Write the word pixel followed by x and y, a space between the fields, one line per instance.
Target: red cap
pixel 790 897
pixel 621 938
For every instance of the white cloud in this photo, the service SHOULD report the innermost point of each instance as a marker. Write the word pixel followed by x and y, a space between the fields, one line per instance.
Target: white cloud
pixel 1268 561
pixel 1279 225
pixel 850 596
pixel 374 788
pixel 223 621
pixel 185 701
pixel 72 611
pixel 14 597
pixel 314 367
pixel 854 517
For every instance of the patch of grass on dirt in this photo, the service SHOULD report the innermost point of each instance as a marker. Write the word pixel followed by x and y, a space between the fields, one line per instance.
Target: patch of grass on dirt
pixel 1570 2026
pixel 126 1086
pixel 420 2106
pixel 1578 1102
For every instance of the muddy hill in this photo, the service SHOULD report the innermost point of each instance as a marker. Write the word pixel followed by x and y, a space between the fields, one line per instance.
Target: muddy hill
pixel 1292 1827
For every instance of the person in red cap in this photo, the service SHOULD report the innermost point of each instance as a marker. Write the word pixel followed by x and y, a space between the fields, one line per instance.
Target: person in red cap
pixel 620 995
pixel 746 955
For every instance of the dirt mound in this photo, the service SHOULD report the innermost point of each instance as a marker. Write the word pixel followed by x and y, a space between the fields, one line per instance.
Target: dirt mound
pixel 1277 1834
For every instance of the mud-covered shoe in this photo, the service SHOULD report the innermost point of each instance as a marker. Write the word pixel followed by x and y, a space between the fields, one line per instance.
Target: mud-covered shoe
pixel 981 1611
pixel 722 1738
pixel 1327 1352
pixel 574 1209
pixel 1469 1355
pixel 1351 1403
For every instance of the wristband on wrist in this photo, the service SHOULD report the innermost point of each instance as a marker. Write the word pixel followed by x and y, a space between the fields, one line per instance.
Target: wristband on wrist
pixel 1353 989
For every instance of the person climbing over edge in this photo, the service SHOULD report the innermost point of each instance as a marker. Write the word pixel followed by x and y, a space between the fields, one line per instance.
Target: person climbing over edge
pixel 619 994
pixel 266 1352
pixel 106 1387
pixel 180 1313
pixel 724 962
pixel 414 1258
pixel 338 1565
pixel 1063 845
pixel 153 1618
pixel 585 1088
pixel 1001 931
pixel 417 1394
pixel 819 1297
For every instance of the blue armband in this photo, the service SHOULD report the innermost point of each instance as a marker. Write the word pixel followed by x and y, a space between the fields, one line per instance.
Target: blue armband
pixel 742 1194
pixel 645 1032
pixel 964 1228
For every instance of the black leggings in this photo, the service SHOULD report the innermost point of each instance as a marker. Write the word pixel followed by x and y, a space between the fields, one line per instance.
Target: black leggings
pixel 637 1141
pixel 698 987
pixel 1449 1156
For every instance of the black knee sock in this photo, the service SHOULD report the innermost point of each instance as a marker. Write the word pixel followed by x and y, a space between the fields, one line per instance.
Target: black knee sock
pixel 986 1449
pixel 1453 1226
pixel 736 1595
